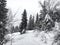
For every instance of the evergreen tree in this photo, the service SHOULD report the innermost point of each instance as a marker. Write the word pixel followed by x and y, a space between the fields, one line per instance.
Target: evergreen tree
pixel 47 10
pixel 12 29
pixel 51 9
pixel 37 18
pixel 42 15
pixel 3 19
pixel 43 11
pixel 33 22
pixel 24 22
pixel 30 23
pixel 16 29
pixel 37 21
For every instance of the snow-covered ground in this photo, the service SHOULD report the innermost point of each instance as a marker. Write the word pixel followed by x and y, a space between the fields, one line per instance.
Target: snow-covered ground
pixel 31 38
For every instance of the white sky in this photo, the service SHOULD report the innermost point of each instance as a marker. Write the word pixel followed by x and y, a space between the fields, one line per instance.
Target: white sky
pixel 32 6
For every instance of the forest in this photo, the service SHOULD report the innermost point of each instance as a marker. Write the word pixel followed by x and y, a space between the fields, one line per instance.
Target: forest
pixel 45 25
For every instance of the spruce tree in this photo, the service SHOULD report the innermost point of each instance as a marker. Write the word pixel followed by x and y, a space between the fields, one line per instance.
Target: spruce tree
pixel 43 11
pixel 46 11
pixel 16 29
pixel 37 18
pixel 31 23
pixel 3 19
pixel 37 22
pixel 24 21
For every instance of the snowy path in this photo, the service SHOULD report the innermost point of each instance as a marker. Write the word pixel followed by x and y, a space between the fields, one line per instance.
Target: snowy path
pixel 27 39
pixel 24 39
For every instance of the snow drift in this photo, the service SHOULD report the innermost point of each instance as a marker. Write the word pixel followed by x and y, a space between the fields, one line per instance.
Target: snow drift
pixel 32 38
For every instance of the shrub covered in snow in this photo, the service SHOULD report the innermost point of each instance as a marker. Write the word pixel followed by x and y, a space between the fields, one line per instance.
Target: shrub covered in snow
pixel 9 37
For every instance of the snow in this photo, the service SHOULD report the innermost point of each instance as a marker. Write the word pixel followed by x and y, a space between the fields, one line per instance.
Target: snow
pixel 31 38
pixel 12 36
pixel 45 38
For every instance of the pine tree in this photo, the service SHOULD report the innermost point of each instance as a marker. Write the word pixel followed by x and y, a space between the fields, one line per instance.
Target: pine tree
pixel 12 29
pixel 47 10
pixel 33 22
pixel 43 11
pixel 37 18
pixel 42 15
pixel 24 21
pixel 16 29
pixel 3 19
pixel 37 22
pixel 30 23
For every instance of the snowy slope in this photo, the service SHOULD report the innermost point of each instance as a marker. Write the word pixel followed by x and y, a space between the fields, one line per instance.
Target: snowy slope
pixel 32 38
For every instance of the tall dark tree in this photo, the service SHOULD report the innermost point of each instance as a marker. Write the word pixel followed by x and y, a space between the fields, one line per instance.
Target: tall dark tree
pixel 3 19
pixel 37 22
pixel 24 22
pixel 31 23
pixel 37 18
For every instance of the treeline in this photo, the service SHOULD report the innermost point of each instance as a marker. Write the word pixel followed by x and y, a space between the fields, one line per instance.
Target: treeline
pixel 44 21
pixel 3 20
pixel 25 24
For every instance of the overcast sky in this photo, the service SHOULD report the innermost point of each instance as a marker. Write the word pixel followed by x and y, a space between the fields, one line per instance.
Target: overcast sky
pixel 32 7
